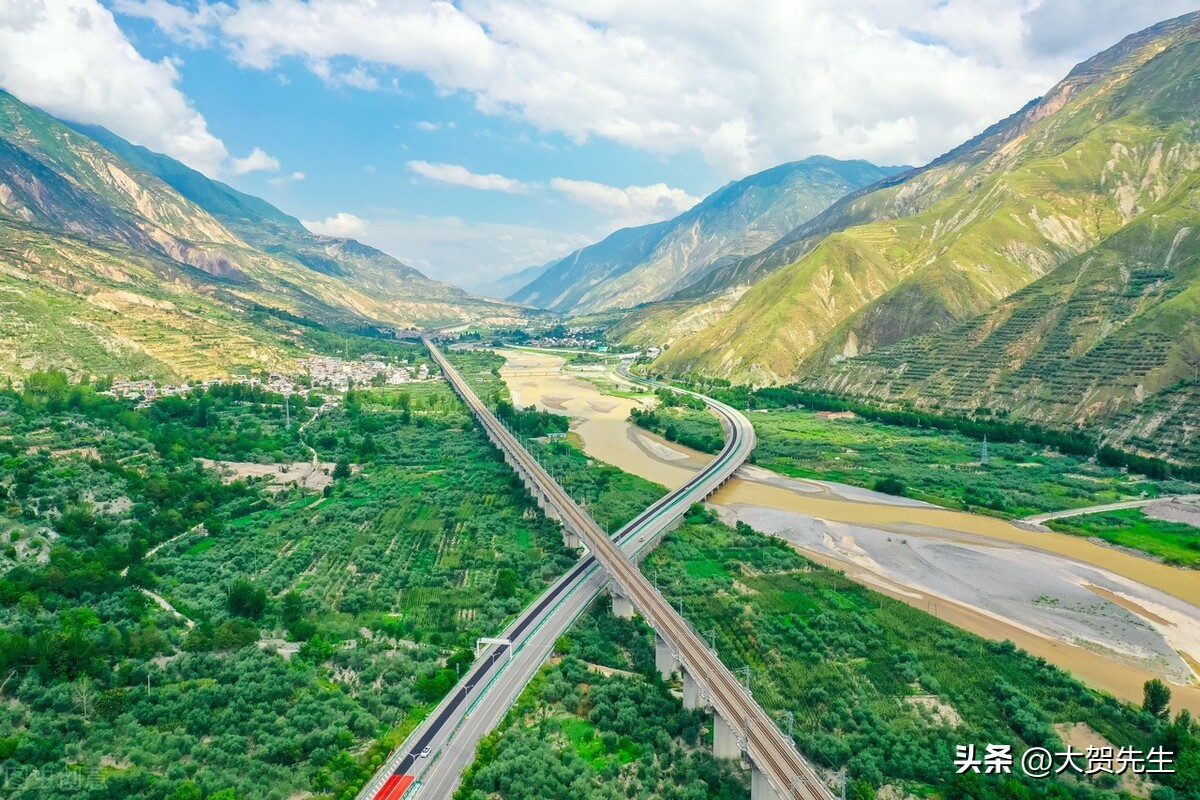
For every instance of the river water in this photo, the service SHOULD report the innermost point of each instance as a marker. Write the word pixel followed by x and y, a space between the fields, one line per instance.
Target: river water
pixel 1111 618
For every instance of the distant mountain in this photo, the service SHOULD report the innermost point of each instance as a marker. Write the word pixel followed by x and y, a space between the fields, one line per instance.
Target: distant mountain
pixel 929 249
pixel 651 262
pixel 116 259
pixel 508 284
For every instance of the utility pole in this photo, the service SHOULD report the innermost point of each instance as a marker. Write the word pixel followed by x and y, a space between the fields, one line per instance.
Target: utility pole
pixel 791 722
pixel 712 639
pixel 746 671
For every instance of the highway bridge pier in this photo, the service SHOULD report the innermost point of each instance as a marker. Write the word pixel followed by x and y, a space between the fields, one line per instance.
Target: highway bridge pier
pixel 622 606
pixel 664 658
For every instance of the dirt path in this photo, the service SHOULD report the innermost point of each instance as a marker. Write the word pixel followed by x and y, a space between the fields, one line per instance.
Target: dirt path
pixel 1039 519
pixel 165 606
pixel 316 461
pixel 161 545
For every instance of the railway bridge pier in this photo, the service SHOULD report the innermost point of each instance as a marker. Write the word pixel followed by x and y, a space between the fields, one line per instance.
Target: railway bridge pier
pixel 730 738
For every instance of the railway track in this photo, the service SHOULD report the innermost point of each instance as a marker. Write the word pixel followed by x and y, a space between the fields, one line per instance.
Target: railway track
pixel 430 762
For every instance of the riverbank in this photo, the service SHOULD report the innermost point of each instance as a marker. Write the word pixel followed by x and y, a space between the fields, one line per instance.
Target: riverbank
pixel 1111 618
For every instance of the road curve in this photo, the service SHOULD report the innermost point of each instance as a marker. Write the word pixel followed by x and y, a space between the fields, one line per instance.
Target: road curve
pixel 479 701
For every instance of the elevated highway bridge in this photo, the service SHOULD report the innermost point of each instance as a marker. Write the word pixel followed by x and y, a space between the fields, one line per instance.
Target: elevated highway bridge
pixel 430 762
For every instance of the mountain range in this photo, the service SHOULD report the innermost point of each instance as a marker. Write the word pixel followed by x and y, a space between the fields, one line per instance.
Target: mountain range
pixel 653 262
pixel 116 259
pixel 929 249
pixel 1047 268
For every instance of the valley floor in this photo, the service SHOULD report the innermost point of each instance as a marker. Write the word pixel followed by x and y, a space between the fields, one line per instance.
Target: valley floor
pixel 1112 618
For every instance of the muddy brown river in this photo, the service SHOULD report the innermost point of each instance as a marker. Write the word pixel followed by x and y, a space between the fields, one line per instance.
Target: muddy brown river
pixel 1111 618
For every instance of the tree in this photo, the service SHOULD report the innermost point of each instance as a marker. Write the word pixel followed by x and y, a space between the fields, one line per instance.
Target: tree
pixel 341 470
pixel 234 635
pixel 291 607
pixel 506 583
pixel 246 600
pixel 890 485
pixel 83 694
pixel 1156 698
pixel 186 791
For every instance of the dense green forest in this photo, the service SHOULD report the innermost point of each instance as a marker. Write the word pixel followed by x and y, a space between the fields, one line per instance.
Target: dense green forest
pixel 885 690
pixel 599 724
pixel 312 629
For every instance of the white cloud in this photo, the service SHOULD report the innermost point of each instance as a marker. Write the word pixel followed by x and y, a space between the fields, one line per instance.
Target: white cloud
pixel 282 180
pixel 192 27
pixel 633 205
pixel 429 126
pixel 459 175
pixel 257 161
pixel 70 58
pixel 341 224
pixel 356 77
pixel 894 82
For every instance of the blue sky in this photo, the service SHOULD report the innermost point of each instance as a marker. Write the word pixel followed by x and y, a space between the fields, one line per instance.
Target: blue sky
pixel 476 138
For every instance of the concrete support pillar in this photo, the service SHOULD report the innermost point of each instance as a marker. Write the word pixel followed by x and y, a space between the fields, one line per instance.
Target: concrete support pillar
pixel 691 692
pixel 760 789
pixel 664 659
pixel 724 743
pixel 571 540
pixel 621 606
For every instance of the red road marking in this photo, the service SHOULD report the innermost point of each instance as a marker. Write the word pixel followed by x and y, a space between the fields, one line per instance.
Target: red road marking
pixel 394 788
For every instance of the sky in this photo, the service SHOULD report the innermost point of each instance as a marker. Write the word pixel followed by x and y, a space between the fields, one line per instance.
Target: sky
pixel 475 138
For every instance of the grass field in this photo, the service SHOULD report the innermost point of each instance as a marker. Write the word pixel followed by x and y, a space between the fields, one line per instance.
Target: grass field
pixel 1173 542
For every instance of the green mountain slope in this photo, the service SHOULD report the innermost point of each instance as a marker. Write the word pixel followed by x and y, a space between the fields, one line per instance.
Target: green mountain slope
pixel 105 267
pixel 651 262
pixel 941 244
pixel 1111 340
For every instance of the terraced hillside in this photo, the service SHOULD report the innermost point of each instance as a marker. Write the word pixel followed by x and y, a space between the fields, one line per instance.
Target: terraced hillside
pixel 1111 339
pixel 638 265
pixel 106 267
pixel 939 245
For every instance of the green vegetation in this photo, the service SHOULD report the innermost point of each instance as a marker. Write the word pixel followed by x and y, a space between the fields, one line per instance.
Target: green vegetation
pixel 924 456
pixel 954 239
pixel 884 689
pixel 314 628
pixel 91 286
pixel 942 467
pixel 650 262
pixel 1173 542
pixel 579 733
pixel 688 426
